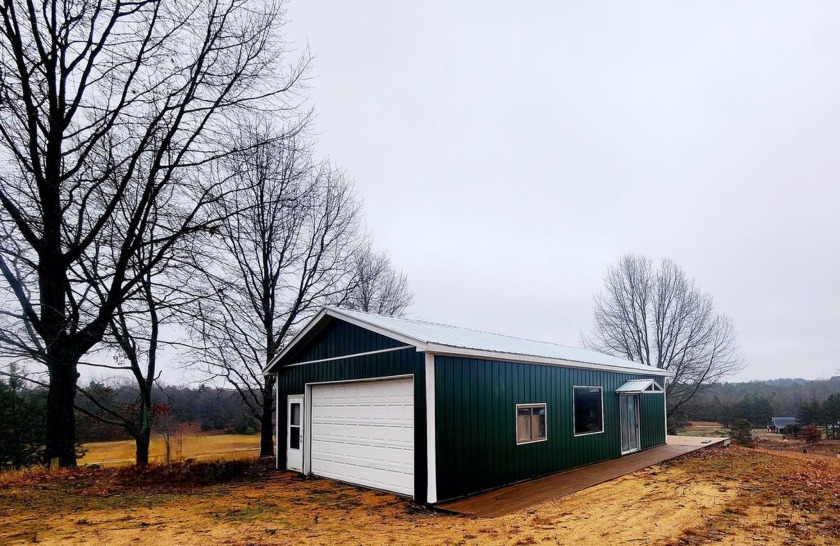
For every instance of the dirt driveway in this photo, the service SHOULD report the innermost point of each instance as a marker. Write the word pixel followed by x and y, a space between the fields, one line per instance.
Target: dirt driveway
pixel 726 495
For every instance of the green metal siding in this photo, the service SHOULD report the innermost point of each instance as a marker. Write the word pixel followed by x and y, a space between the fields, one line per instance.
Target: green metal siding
pixel 292 379
pixel 339 338
pixel 652 419
pixel 475 422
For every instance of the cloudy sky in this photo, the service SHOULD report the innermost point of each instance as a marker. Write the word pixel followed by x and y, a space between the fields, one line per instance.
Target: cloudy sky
pixel 508 153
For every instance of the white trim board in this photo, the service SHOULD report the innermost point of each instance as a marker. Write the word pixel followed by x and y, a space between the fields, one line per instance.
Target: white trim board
pixel 444 350
pixel 354 355
pixel 431 440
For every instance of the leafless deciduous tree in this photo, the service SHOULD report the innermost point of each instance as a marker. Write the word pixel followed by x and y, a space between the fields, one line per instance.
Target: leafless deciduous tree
pixel 377 287
pixel 285 249
pixel 658 317
pixel 110 106
pixel 134 335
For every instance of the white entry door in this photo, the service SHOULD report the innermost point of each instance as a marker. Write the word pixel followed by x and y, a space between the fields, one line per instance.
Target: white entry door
pixel 363 433
pixel 629 417
pixel 294 433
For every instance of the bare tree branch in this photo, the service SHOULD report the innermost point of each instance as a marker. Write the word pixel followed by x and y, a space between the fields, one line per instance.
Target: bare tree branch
pixel 660 318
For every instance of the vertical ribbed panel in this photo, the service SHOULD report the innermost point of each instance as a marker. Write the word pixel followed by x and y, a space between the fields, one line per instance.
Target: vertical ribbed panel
pixel 476 426
pixel 338 338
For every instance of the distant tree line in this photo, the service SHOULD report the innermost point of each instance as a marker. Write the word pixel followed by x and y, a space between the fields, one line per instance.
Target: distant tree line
pixel 810 401
pixel 23 415
pixel 207 409
pixel 22 424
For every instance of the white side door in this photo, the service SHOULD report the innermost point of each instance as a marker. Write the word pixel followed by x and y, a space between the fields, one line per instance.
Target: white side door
pixel 294 432
pixel 629 417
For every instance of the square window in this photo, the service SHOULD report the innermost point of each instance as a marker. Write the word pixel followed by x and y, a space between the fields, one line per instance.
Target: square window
pixel 588 410
pixel 530 423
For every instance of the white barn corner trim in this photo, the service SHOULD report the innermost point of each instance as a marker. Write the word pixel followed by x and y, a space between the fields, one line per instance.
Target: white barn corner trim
pixel 431 447
pixel 665 405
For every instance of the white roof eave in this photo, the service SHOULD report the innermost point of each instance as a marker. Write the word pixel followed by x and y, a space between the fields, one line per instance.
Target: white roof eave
pixel 447 350
pixel 421 345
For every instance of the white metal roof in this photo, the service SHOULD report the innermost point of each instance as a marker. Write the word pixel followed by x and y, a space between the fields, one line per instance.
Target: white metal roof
pixel 640 385
pixel 451 340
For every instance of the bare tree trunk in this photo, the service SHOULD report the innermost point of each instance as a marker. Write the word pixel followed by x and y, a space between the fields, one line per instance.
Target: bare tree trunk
pixel 285 250
pixel 141 445
pixel 61 417
pixel 266 428
pixel 167 439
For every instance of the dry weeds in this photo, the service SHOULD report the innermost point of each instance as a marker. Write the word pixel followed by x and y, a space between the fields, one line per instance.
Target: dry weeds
pixel 731 495
pixel 183 446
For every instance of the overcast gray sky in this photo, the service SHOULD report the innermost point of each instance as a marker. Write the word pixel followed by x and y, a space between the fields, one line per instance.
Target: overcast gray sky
pixel 508 153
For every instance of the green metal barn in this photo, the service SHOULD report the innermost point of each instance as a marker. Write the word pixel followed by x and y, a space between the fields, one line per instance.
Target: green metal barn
pixel 436 412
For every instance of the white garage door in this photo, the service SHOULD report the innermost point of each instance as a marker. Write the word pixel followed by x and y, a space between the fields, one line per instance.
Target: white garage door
pixel 363 433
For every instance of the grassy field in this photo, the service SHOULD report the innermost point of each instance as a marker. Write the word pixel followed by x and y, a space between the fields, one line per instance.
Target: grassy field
pixel 704 428
pixel 187 446
pixel 729 496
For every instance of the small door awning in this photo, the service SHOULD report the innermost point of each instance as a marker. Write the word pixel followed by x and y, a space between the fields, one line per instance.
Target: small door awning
pixel 644 386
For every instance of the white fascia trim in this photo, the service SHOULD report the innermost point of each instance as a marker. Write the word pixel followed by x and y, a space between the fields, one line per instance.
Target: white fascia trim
pixel 431 445
pixel 445 350
pixel 420 345
pixel 354 355
pixel 300 335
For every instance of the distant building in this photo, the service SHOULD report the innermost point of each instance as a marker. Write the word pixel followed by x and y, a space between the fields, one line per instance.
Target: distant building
pixel 778 424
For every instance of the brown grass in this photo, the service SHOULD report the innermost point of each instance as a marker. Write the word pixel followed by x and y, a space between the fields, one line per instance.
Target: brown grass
pixel 706 429
pixel 781 442
pixel 186 446
pixel 731 495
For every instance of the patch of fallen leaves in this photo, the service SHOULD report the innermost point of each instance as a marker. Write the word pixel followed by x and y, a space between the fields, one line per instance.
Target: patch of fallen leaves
pixel 782 497
pixel 731 496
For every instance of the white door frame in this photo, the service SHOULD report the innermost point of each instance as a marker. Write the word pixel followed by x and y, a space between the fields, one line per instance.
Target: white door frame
pixel 296 399
pixel 637 429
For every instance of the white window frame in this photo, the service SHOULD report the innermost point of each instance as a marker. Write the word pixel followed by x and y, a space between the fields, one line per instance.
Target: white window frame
pixel 542 405
pixel 574 425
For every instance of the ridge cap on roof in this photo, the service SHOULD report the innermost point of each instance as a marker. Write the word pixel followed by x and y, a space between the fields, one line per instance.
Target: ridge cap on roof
pixel 422 334
pixel 422 321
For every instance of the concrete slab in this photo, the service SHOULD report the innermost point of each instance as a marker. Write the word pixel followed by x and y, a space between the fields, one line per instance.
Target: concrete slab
pixel 508 499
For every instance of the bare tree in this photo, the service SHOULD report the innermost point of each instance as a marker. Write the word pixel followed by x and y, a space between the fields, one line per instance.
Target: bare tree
pixel 284 251
pixel 660 318
pixel 135 334
pixel 102 104
pixel 377 287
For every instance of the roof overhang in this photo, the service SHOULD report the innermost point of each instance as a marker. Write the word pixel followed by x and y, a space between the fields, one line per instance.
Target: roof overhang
pixel 640 386
pixel 448 350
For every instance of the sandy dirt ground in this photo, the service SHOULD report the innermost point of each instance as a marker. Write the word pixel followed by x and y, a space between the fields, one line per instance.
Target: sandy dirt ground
pixel 725 495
